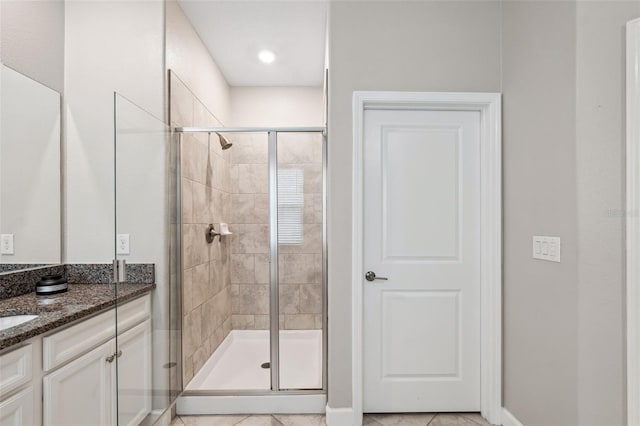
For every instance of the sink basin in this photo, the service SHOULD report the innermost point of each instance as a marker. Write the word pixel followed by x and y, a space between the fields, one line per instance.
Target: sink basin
pixel 12 321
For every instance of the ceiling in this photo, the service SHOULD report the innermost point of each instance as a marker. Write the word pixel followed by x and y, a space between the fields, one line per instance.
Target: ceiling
pixel 235 31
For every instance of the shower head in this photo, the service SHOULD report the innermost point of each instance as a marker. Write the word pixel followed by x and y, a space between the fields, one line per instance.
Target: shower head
pixel 224 143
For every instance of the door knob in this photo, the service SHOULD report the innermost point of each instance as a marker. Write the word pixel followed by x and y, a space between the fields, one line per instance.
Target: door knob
pixel 370 276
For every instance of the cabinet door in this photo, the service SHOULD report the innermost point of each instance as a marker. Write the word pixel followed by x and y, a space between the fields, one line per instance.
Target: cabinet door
pixel 80 393
pixel 134 374
pixel 18 409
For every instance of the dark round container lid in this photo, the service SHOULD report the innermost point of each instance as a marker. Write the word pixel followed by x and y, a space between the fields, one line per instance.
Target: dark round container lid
pixel 53 279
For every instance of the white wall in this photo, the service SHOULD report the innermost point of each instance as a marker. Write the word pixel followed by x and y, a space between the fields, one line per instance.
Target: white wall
pixel 110 46
pixel 32 39
pixel 276 106
pixel 116 46
pixel 29 168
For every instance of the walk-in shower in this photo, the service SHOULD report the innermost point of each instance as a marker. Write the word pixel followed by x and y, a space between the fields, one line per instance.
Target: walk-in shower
pixel 254 308
pixel 251 226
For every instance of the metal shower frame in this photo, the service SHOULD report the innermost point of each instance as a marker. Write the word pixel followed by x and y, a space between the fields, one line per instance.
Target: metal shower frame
pixel 274 287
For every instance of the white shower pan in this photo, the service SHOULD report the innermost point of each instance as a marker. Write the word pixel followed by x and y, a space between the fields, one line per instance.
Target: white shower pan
pixel 236 367
pixel 237 363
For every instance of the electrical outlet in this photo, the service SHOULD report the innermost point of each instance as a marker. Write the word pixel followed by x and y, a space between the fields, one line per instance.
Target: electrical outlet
pixel 123 244
pixel 6 244
pixel 546 248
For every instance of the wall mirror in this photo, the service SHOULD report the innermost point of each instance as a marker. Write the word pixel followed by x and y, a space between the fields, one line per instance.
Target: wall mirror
pixel 30 179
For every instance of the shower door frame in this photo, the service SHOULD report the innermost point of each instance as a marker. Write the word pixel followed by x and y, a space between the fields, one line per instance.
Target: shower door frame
pixel 274 288
pixel 632 221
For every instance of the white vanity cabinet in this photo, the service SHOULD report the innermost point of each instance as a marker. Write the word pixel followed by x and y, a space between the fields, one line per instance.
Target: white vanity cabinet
pixel 68 377
pixel 83 391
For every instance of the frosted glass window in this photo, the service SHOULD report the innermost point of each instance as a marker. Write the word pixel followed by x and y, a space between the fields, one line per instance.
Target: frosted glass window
pixel 290 206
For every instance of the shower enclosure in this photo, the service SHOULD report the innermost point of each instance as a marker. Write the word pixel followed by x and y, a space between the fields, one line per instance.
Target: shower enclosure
pixel 230 225
pixel 147 377
pixel 254 267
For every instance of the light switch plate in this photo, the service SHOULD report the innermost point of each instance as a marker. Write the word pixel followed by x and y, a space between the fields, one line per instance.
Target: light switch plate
pixel 123 244
pixel 546 248
pixel 6 244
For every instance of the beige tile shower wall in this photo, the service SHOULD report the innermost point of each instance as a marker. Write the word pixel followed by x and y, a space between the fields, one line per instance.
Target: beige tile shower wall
pixel 250 240
pixel 206 186
pixel 300 265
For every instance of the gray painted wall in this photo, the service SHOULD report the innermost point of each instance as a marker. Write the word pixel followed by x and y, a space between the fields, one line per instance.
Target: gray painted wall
pixel 539 162
pixel 564 347
pixel 32 39
pixel 420 46
pixel 560 67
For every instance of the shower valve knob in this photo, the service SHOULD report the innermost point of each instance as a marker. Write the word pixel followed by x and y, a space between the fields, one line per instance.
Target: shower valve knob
pixel 211 234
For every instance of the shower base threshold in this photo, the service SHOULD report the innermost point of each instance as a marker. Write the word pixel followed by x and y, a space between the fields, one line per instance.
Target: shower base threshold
pixel 239 362
pixel 192 405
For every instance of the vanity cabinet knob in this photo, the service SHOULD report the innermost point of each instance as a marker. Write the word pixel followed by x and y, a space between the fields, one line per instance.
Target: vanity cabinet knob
pixel 110 358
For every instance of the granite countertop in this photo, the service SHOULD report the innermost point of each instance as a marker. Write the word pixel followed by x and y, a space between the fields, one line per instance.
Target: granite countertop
pixel 56 310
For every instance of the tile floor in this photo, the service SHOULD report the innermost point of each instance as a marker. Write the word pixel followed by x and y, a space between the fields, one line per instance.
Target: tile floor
pixel 444 419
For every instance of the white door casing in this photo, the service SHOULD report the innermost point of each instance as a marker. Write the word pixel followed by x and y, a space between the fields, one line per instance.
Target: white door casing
pixel 487 105
pixel 422 231
pixel 633 222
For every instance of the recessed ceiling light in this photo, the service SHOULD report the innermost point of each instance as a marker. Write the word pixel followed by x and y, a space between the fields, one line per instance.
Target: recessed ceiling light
pixel 267 56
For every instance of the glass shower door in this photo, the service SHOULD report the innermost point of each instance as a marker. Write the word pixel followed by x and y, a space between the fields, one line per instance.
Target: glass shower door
pixel 301 259
pixel 146 350
pixel 270 212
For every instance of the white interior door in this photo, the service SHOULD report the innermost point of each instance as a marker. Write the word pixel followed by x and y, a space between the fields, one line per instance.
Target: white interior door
pixel 421 232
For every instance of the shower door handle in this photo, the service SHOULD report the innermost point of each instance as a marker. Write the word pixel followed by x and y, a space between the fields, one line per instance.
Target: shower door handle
pixel 370 276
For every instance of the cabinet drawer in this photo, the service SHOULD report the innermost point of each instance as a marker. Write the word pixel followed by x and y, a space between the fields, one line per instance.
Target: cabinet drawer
pixel 77 339
pixel 133 313
pixel 16 369
pixel 71 342
pixel 18 410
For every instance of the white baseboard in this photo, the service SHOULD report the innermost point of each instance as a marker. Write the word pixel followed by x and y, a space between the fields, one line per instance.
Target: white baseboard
pixel 509 419
pixel 340 416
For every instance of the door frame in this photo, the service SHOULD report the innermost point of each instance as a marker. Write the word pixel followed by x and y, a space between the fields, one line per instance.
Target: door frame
pixel 489 106
pixel 633 222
